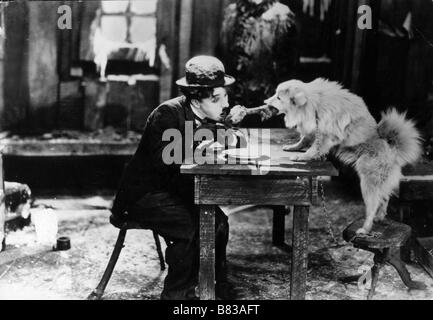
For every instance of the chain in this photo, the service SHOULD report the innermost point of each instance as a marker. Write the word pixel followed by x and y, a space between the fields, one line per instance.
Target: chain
pixel 326 213
pixel 321 188
pixel 317 140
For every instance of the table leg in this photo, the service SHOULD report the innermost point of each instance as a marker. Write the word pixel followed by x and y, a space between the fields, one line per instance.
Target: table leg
pixel 207 253
pixel 2 207
pixel 278 222
pixel 299 253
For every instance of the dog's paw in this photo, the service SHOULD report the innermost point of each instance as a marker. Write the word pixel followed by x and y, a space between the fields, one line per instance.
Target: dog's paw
pixel 361 231
pixel 296 157
pixel 291 147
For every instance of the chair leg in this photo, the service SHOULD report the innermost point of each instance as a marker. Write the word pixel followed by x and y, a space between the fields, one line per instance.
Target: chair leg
pixel 375 270
pixel 158 248
pixel 404 274
pixel 99 291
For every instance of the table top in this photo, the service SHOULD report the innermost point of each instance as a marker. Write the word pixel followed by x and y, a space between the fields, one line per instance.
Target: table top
pixel 275 163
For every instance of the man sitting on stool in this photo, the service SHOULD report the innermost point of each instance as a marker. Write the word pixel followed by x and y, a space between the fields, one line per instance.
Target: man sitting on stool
pixel 158 196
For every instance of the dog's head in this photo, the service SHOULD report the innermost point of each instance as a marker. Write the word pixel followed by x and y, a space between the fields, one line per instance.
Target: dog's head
pixel 289 97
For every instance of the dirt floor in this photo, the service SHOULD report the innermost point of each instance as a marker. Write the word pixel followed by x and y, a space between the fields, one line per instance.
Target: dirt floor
pixel 257 269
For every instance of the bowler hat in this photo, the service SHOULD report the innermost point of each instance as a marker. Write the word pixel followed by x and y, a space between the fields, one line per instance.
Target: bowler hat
pixel 205 71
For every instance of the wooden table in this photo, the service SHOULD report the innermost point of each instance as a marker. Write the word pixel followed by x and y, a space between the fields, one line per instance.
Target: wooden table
pixel 277 182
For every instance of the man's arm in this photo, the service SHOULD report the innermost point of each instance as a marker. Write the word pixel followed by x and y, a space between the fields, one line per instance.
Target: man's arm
pixel 164 122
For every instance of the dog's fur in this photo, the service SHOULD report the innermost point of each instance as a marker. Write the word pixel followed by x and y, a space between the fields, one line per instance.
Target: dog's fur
pixel 337 119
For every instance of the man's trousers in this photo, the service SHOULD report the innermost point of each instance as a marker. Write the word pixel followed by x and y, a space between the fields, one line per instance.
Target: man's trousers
pixel 178 222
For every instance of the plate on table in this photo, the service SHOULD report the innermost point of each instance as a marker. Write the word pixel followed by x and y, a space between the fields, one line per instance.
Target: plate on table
pixel 211 145
pixel 243 154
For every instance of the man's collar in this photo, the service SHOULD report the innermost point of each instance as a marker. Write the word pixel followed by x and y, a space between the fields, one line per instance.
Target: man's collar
pixel 196 112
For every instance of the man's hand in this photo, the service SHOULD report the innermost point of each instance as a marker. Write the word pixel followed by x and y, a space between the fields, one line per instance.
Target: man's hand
pixel 236 115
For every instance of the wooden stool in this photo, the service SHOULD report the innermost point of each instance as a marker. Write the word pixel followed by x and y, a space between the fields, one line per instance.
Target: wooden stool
pixel 385 241
pixel 123 226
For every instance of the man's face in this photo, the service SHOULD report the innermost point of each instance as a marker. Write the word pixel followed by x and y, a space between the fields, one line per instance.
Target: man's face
pixel 213 106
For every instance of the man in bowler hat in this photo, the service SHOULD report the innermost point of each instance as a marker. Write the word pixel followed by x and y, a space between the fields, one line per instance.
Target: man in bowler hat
pixel 159 197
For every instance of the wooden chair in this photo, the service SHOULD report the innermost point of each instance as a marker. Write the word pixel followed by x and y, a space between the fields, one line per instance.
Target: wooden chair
pixel 385 241
pixel 123 226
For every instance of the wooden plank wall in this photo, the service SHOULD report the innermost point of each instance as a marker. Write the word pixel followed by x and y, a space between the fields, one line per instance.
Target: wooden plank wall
pixel 420 56
pixel 41 94
pixel 42 75
pixel 15 85
pixel 199 30
pixel 206 25
pixel 404 68
pixel 167 24
pixel 30 78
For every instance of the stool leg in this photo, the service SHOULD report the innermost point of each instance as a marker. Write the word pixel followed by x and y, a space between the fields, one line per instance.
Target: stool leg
pixel 404 274
pixel 375 270
pixel 99 291
pixel 380 257
pixel 159 250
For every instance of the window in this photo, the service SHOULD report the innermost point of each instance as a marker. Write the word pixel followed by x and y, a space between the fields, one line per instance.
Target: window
pixel 128 21
pixel 125 31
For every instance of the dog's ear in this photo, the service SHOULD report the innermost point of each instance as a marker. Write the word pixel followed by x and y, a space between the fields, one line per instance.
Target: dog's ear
pixel 300 99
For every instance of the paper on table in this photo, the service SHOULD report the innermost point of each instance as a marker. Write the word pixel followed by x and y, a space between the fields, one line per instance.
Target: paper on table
pixel 249 153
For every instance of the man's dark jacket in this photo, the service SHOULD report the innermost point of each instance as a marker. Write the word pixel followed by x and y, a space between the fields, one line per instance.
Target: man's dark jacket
pixel 147 173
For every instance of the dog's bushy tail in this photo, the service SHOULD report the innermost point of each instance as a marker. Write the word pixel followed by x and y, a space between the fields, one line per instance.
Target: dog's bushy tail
pixel 402 136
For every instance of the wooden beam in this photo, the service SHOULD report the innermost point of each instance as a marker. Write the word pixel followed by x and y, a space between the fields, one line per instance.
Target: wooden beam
pixel 42 64
pixel 227 190
pixel 299 253
pixel 359 43
pixel 88 14
pixel 16 93
pixel 167 38
pixel 365 51
pixel 207 253
pixel 95 100
pixel 185 34
pixel 206 21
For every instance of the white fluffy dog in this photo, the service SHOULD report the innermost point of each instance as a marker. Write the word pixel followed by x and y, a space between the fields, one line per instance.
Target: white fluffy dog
pixel 332 116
